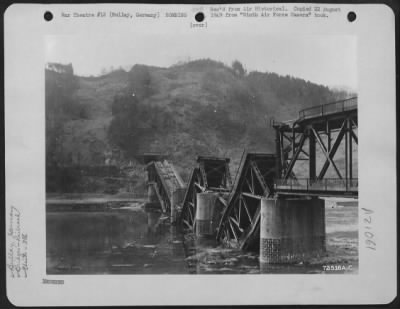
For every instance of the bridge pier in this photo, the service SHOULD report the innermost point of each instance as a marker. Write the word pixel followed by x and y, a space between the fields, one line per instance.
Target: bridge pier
pixel 205 213
pixel 291 230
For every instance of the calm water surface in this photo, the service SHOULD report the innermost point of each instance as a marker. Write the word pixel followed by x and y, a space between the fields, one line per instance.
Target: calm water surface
pixel 132 240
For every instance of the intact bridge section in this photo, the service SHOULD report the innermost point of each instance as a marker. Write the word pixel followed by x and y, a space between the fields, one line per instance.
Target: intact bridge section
pixel 323 138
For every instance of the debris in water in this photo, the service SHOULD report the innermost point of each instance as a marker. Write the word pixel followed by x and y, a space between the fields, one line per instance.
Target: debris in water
pixel 130 245
pixel 149 246
pixel 225 269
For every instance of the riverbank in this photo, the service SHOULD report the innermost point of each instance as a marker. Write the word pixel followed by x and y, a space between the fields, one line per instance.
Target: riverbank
pixel 92 201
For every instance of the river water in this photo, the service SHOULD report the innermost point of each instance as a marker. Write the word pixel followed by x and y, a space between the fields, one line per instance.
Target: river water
pixel 132 240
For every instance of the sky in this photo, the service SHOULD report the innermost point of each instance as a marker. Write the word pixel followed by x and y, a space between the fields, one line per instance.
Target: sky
pixel 329 60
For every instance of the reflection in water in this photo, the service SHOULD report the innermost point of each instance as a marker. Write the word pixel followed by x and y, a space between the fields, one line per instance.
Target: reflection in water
pixel 134 241
pixel 153 223
pixel 115 241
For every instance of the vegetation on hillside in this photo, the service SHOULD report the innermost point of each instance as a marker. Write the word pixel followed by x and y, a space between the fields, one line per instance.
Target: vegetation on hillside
pixel 202 107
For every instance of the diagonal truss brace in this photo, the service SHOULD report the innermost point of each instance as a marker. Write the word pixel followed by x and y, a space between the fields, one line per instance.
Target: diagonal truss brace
pixel 332 153
pixel 296 155
pixel 325 152
pixel 292 141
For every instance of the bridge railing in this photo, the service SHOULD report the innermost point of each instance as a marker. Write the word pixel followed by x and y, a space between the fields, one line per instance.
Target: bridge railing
pixel 327 184
pixel 331 108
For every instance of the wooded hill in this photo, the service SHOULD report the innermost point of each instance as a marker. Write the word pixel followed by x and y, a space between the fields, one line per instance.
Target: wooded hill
pixel 201 107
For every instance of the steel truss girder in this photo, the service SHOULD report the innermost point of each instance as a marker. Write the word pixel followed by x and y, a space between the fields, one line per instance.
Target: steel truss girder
pixel 240 216
pixel 292 141
pixel 199 182
pixel 189 203
pixel 308 132
pixel 326 152
pixel 160 187
pixel 294 158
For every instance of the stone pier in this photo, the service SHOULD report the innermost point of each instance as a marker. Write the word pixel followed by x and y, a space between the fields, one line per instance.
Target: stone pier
pixel 291 229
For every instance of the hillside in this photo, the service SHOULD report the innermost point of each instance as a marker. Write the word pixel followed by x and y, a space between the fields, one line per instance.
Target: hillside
pixel 198 108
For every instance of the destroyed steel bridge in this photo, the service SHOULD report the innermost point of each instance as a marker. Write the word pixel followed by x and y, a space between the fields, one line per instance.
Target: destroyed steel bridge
pixel 233 209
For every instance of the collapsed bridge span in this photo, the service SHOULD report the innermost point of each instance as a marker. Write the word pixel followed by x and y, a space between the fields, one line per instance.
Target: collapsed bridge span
pixel 212 175
pixel 165 186
pixel 239 225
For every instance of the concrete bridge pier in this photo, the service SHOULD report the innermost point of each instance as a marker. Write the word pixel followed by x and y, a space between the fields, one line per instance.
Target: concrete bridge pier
pixel 205 213
pixel 291 230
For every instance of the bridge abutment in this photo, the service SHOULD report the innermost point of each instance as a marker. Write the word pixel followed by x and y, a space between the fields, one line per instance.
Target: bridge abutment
pixel 291 229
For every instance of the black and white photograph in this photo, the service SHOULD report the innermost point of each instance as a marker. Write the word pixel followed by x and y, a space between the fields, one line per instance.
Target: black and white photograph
pixel 163 154
pixel 225 155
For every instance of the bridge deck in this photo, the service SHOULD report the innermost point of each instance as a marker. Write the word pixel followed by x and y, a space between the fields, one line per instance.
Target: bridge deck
pixel 328 109
pixel 171 178
pixel 323 187
pixel 165 180
pixel 318 115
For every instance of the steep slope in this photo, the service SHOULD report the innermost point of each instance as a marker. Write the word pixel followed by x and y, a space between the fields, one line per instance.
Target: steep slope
pixel 199 108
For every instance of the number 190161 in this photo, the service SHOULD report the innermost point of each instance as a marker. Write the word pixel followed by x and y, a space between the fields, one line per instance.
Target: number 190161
pixel 368 231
